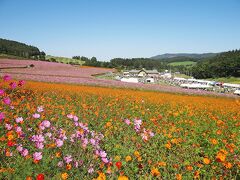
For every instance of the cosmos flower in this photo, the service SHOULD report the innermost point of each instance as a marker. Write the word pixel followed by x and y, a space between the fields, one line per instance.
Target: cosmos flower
pixel 2 92
pixel 7 78
pixel 37 156
pixel 19 120
pixel 36 116
pixel 59 142
pixel 7 100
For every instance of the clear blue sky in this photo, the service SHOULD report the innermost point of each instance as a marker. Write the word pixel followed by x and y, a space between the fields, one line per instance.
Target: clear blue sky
pixel 122 28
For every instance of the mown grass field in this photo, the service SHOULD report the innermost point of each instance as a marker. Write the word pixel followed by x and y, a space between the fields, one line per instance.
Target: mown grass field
pixel 64 60
pixel 183 63
pixel 58 131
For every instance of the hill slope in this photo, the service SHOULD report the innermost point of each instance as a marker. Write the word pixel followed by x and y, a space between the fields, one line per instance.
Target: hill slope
pixel 14 48
pixel 188 55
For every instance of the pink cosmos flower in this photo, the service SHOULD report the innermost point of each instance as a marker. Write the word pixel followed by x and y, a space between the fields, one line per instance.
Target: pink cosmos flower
pixel 36 116
pixel 18 129
pixel 75 118
pixel 59 142
pixel 7 78
pixel 8 127
pixel 60 164
pixel 2 116
pixel 19 148
pixel 70 116
pixel 105 160
pixel 39 145
pixel 7 100
pixel 93 142
pixel 48 134
pixel 37 156
pixel 127 121
pixel 46 123
pixel 90 170
pixel 76 164
pixel 68 159
pixel 2 92
pixel 103 154
pixel 38 138
pixel 19 120
pixel 13 85
pixel 40 109
pixel 24 152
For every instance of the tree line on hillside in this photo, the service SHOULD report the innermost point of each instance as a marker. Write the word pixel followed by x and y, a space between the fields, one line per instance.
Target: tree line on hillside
pixel 18 49
pixel 222 65
pixel 225 64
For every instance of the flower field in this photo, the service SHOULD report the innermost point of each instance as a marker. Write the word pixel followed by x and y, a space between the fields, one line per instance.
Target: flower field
pixel 60 131
pixel 66 73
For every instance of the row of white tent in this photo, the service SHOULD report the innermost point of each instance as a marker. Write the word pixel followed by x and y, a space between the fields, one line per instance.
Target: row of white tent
pixel 206 82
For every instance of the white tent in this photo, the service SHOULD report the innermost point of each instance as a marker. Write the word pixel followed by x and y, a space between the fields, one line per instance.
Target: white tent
pixel 237 92
pixel 195 86
pixel 231 85
pixel 130 80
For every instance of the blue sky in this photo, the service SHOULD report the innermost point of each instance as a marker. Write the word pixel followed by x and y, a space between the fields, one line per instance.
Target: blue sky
pixel 122 28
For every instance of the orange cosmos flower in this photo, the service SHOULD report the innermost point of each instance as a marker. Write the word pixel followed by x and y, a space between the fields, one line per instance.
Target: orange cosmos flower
pixel 128 158
pixel 68 166
pixel 161 163
pixel 206 161
pixel 228 165
pixel 178 176
pixel 155 172
pixel 123 177
pixel 189 168
pixel 64 176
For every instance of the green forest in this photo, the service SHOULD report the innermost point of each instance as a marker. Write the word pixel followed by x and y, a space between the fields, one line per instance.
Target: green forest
pixel 226 64
pixel 14 48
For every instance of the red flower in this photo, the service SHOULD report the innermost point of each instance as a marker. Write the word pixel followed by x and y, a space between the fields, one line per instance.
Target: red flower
pixel 118 164
pixel 40 177
pixel 10 143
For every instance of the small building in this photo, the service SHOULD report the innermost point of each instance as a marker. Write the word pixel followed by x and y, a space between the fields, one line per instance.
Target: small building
pixel 141 73
pixel 149 80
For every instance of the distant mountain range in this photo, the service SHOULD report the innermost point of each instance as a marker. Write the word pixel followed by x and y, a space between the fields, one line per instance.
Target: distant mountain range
pixel 188 55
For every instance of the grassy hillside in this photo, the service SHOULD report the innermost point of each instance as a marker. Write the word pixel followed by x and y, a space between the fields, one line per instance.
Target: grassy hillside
pixel 183 63
pixel 64 60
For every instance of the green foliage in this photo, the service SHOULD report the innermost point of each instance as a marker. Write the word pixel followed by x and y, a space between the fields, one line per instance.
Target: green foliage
pixel 224 65
pixel 183 63
pixel 18 49
pixel 64 60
